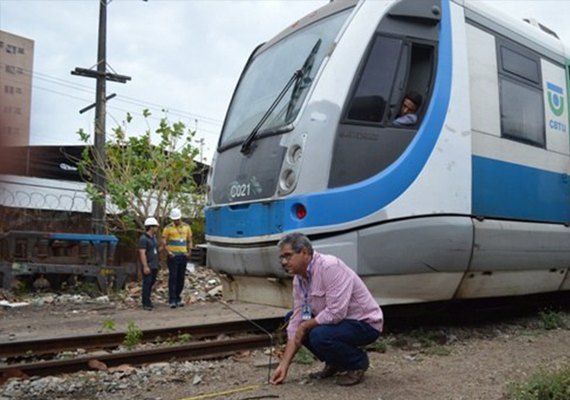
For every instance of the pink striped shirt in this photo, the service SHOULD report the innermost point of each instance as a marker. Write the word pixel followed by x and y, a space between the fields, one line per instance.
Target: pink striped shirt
pixel 336 293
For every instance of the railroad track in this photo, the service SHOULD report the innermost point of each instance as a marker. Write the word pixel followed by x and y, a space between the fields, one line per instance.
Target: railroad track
pixel 190 351
pixel 400 320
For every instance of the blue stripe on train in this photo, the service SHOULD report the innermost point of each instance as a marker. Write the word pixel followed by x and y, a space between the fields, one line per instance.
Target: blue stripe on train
pixel 505 190
pixel 351 202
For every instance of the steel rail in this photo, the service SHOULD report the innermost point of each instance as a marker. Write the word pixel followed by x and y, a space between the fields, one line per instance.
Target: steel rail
pixel 192 351
pixel 109 340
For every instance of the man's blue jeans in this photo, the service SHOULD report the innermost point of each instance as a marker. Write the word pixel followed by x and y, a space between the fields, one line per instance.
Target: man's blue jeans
pixel 147 284
pixel 176 274
pixel 339 345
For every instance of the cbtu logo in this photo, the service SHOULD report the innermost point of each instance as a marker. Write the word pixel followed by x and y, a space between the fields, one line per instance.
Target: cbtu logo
pixel 555 98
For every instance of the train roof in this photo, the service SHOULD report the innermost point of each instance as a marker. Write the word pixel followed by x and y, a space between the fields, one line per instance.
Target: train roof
pixel 530 33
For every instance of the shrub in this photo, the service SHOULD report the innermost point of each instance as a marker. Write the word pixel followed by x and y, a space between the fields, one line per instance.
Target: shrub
pixel 550 320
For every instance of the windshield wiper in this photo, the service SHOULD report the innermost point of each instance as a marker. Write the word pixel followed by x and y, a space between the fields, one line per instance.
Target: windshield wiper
pixel 303 82
pixel 246 145
pixel 298 77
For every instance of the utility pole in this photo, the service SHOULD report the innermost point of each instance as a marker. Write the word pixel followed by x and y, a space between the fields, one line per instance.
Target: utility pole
pixel 99 157
pixel 98 208
pixel 201 143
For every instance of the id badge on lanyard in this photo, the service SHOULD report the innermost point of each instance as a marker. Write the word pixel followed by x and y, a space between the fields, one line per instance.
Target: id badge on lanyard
pixel 306 312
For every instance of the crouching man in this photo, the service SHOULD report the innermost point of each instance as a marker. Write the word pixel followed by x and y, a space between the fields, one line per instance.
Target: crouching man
pixel 333 315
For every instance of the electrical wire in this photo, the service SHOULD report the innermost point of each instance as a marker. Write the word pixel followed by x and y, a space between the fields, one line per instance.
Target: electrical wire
pixel 124 99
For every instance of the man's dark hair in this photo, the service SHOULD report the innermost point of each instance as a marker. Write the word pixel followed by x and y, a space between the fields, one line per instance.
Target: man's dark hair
pixel 415 97
pixel 298 242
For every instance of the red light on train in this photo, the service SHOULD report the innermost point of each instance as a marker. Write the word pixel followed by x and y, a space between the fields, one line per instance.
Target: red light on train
pixel 300 211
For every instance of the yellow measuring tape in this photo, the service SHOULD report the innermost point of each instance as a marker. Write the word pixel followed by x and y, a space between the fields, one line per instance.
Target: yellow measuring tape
pixel 224 393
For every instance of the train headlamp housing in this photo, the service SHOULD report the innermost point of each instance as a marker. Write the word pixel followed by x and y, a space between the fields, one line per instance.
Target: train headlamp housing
pixel 291 165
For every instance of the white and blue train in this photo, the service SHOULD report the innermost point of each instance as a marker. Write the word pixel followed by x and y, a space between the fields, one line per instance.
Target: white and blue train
pixel 472 201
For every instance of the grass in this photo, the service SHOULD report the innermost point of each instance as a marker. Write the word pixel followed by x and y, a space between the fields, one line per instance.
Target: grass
pixel 543 385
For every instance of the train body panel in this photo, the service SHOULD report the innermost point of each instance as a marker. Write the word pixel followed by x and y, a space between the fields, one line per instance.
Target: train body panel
pixel 478 188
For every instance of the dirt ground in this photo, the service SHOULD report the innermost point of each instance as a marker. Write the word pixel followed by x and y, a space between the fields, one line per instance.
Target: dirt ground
pixel 459 363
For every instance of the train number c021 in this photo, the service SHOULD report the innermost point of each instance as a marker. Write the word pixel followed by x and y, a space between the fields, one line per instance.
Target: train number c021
pixel 240 190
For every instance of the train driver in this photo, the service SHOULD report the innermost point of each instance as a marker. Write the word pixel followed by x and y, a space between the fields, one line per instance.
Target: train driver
pixel 407 115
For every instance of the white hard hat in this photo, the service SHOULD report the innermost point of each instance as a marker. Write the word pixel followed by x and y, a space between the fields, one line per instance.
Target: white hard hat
pixel 150 221
pixel 175 214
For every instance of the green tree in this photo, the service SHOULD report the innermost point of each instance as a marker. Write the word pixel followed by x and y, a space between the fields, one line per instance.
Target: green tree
pixel 145 179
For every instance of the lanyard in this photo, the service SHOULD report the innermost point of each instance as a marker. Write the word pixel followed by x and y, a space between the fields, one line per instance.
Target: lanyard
pixel 307 289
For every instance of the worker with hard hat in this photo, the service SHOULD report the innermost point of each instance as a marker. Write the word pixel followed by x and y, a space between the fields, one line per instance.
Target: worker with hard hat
pixel 148 256
pixel 177 241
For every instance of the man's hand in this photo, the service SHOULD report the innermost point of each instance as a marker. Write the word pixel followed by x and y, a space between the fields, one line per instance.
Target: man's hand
pixel 279 374
pixel 146 270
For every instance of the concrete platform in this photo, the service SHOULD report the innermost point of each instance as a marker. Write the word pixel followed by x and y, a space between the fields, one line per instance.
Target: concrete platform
pixel 36 322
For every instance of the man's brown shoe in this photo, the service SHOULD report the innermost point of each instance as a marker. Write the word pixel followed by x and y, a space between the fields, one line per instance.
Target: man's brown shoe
pixel 326 372
pixel 350 378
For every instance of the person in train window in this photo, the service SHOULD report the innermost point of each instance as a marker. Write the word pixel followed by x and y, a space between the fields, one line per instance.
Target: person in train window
pixel 407 115
pixel 334 314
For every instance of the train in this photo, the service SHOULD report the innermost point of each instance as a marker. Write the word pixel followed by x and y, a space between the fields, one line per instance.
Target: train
pixel 472 201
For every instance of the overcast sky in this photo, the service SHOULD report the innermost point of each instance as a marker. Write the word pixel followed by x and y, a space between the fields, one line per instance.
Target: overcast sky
pixel 184 56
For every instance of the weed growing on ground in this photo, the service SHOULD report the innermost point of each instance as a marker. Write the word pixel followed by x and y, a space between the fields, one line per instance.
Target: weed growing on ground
pixel 438 350
pixel 304 357
pixel 87 288
pixel 428 338
pixel 20 289
pixel 379 346
pixel 543 385
pixel 550 320
pixel 66 355
pixel 184 338
pixel 108 325
pixel 133 336
pixel 118 295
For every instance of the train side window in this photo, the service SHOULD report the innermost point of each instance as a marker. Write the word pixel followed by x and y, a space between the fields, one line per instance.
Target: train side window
pixel 419 79
pixel 520 94
pixel 375 82
pixel 522 115
pixel 394 67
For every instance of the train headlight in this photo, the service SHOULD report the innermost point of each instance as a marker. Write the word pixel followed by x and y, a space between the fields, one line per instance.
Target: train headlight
pixel 295 154
pixel 288 179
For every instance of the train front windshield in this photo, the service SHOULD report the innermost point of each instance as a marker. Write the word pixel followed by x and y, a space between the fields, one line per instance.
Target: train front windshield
pixel 276 81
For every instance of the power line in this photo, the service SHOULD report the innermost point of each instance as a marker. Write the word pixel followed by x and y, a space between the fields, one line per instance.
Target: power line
pixel 126 99
pixel 113 106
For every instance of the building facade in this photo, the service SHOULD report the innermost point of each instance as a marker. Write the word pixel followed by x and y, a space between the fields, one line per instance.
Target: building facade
pixel 16 65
